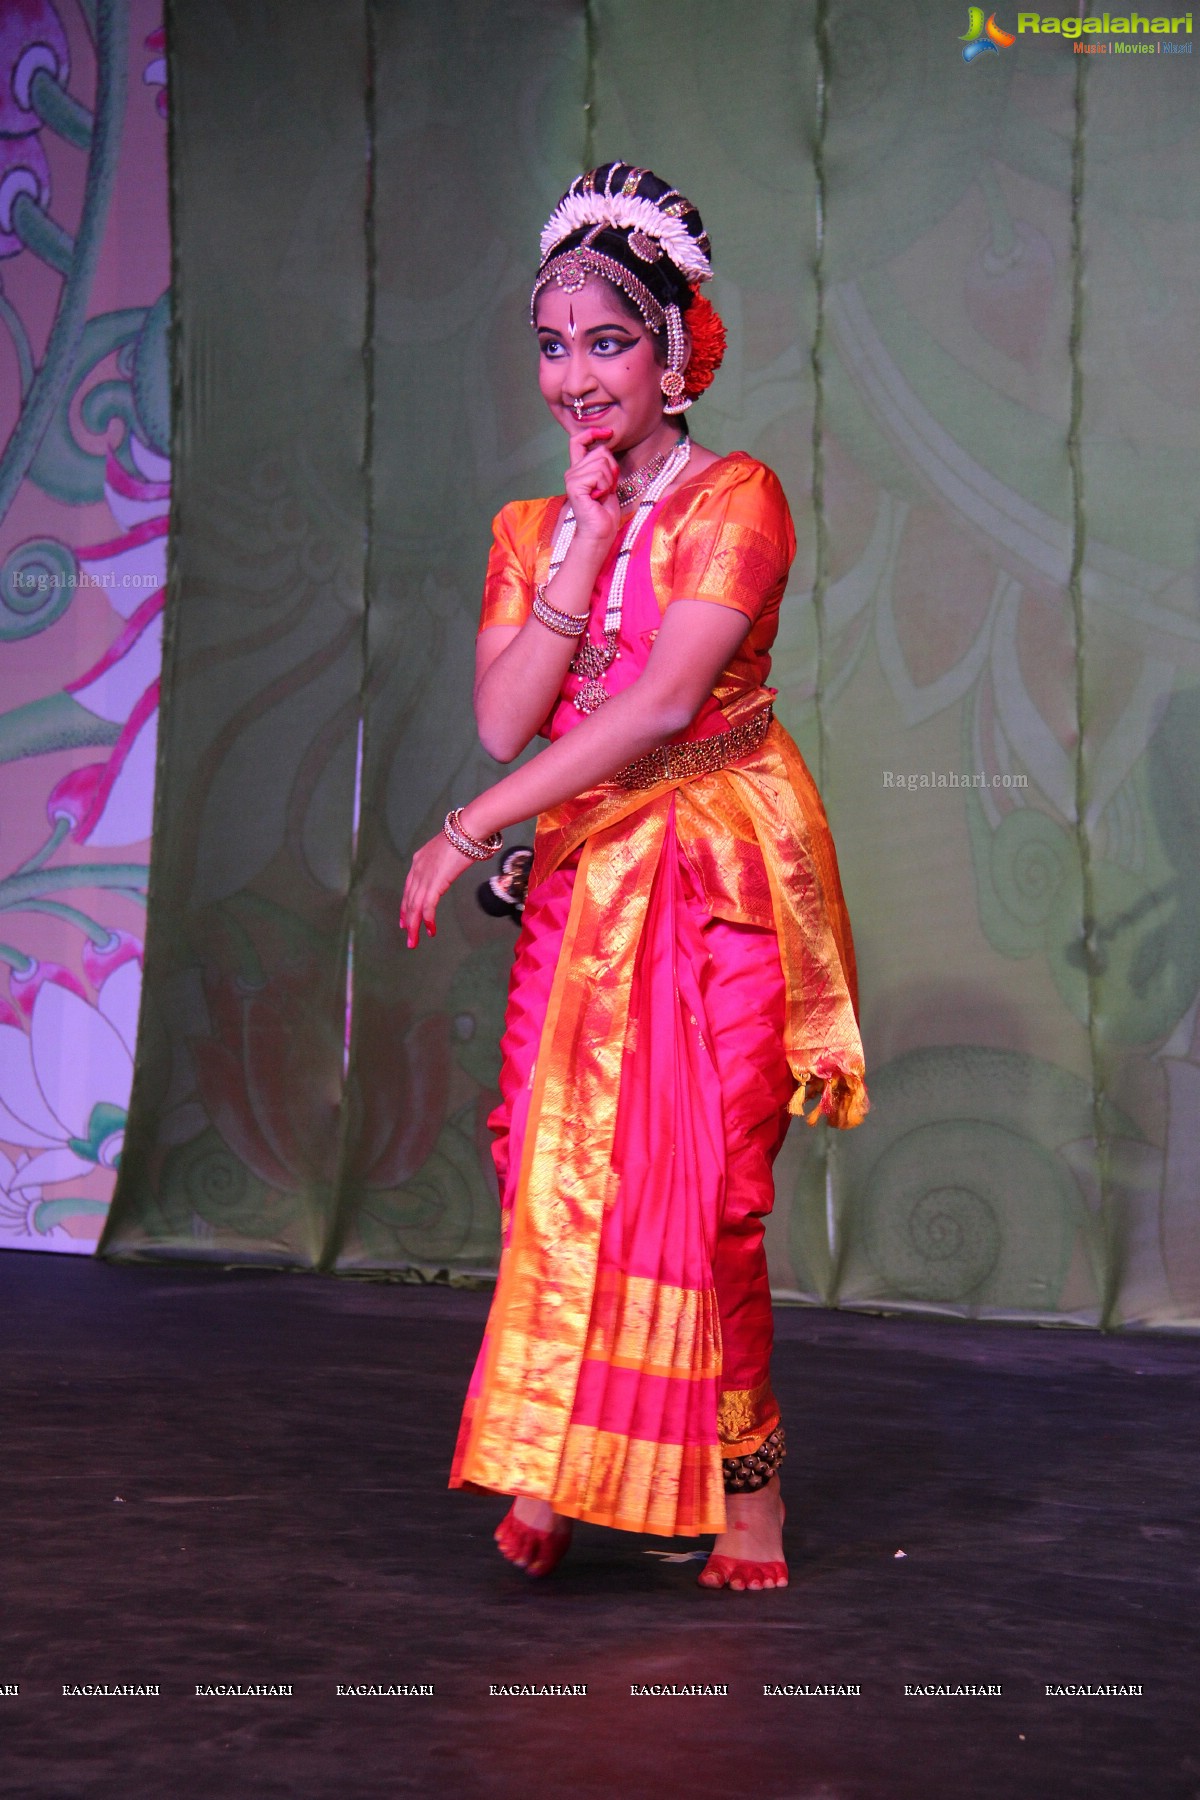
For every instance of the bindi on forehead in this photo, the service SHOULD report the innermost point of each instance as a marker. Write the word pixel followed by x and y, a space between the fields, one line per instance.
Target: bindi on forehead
pixel 571 320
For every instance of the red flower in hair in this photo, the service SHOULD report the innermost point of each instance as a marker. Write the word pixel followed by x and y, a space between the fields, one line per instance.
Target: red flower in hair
pixel 707 330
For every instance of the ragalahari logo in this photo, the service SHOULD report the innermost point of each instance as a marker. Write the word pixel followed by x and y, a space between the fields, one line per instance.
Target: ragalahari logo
pixel 980 36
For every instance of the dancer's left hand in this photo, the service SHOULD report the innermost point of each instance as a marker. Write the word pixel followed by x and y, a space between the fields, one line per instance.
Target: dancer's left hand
pixel 434 867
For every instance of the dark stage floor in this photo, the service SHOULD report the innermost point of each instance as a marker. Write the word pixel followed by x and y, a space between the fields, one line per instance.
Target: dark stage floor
pixel 239 1478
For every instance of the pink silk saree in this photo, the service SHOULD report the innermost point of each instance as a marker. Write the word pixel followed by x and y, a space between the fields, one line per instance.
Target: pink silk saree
pixel 683 977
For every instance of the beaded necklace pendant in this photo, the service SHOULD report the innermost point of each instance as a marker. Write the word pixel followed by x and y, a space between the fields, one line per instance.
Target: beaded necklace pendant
pixel 592 662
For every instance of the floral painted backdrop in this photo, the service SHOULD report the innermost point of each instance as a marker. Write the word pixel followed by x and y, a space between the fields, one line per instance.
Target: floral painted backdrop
pixel 84 494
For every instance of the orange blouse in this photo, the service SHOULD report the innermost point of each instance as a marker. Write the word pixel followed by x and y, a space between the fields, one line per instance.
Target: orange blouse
pixel 723 535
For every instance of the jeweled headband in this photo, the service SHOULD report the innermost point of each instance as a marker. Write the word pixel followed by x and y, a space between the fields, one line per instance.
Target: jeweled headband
pixel 655 227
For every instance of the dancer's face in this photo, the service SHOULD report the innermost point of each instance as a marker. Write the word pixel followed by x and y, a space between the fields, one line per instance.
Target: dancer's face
pixel 594 353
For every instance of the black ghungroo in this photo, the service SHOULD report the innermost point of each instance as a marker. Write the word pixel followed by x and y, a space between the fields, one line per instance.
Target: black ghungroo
pixel 744 1474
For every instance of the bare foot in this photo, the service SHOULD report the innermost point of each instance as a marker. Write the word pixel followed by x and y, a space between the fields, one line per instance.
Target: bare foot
pixel 533 1536
pixel 748 1554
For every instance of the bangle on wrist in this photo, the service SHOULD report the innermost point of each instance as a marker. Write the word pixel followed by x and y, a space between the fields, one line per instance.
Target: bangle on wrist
pixel 565 624
pixel 478 849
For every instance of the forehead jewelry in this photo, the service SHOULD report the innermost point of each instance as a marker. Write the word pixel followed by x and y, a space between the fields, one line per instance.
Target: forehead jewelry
pixel 570 270
pixel 593 660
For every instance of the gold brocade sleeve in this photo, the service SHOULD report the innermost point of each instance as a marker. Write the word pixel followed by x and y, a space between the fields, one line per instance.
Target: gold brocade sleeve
pixel 728 538
pixel 520 549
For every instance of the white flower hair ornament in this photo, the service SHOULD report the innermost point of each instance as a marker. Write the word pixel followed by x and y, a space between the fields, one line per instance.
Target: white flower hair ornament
pixel 634 214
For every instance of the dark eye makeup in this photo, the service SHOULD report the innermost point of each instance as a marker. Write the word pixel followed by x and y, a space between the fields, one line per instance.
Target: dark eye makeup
pixel 609 343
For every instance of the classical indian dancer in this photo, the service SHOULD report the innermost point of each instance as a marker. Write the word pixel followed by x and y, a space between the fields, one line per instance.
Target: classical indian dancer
pixel 684 978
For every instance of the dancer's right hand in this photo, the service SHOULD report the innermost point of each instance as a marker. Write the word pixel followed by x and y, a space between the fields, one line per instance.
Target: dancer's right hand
pixel 591 485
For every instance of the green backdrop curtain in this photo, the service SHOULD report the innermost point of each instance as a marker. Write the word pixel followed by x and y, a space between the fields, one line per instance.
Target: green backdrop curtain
pixel 961 303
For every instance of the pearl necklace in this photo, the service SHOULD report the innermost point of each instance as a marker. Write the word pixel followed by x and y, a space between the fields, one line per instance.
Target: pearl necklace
pixel 593 660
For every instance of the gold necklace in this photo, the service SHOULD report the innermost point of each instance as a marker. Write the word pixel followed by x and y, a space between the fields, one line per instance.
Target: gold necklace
pixel 632 487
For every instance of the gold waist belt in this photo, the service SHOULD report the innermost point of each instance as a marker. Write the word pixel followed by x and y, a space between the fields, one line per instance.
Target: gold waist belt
pixel 704 756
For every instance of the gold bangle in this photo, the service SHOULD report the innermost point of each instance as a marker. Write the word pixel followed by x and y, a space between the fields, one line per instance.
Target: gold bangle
pixel 478 849
pixel 564 623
